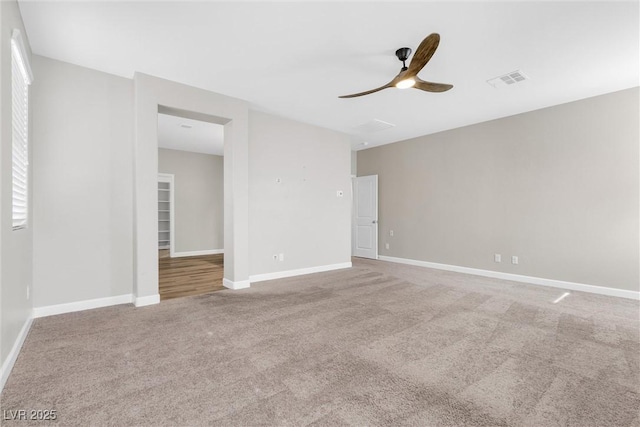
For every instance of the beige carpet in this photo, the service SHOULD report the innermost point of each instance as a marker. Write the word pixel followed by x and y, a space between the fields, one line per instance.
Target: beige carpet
pixel 378 344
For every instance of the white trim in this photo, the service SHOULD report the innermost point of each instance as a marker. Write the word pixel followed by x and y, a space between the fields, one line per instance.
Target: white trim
pixel 298 272
pixel 602 290
pixel 242 284
pixel 353 215
pixel 51 310
pixel 18 42
pixel 148 300
pixel 7 366
pixel 197 253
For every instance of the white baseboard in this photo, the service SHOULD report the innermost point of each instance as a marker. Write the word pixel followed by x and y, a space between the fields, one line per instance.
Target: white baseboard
pixel 298 272
pixel 240 284
pixel 148 300
pixel 197 253
pixel 7 366
pixel 602 290
pixel 50 310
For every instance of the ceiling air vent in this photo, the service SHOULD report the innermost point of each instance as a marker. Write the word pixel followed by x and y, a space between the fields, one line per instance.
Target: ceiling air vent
pixel 374 125
pixel 508 79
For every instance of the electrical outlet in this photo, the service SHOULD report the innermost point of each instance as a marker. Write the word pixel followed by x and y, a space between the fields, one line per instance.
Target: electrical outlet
pixel 497 258
pixel 391 233
pixel 386 246
pixel 514 260
pixel 278 180
pixel 281 257
pixel 28 293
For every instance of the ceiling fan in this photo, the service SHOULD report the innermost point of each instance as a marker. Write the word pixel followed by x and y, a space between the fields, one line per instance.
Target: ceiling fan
pixel 408 77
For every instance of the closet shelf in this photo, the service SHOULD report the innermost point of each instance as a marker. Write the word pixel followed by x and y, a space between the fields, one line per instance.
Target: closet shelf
pixel 164 214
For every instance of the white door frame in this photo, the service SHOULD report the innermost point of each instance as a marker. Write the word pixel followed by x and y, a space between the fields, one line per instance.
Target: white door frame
pixel 374 220
pixel 150 95
pixel 353 214
pixel 170 179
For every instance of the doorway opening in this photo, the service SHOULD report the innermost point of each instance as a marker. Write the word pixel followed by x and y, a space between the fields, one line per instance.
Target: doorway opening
pixel 190 206
pixel 154 95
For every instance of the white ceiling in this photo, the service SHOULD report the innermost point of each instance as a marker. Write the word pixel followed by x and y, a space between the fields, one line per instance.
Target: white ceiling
pixel 177 133
pixel 294 58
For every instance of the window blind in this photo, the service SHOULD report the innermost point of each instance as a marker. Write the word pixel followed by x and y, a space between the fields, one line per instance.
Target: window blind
pixel 20 80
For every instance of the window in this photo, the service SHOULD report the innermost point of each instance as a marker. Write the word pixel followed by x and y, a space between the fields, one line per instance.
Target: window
pixel 21 78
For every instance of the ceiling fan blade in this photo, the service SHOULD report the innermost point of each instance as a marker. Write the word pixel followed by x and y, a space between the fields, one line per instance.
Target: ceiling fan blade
pixel 367 92
pixel 431 87
pixel 423 54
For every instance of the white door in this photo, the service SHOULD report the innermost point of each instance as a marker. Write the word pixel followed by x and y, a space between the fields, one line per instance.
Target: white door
pixel 365 223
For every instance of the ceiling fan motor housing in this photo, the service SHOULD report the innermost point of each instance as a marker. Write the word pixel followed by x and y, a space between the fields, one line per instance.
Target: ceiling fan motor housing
pixel 403 53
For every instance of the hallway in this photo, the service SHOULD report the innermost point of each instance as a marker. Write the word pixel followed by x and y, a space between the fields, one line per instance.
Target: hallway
pixel 187 276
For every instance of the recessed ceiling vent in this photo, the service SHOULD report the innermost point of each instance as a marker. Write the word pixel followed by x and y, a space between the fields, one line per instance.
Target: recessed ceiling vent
pixel 372 126
pixel 508 79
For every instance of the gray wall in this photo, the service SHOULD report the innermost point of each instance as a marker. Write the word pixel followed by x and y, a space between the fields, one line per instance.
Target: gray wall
pixel 557 187
pixel 199 198
pixel 83 192
pixel 354 163
pixel 82 170
pixel 301 216
pixel 16 247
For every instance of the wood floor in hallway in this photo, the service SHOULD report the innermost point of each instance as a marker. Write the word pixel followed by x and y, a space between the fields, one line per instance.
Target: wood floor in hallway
pixel 194 275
